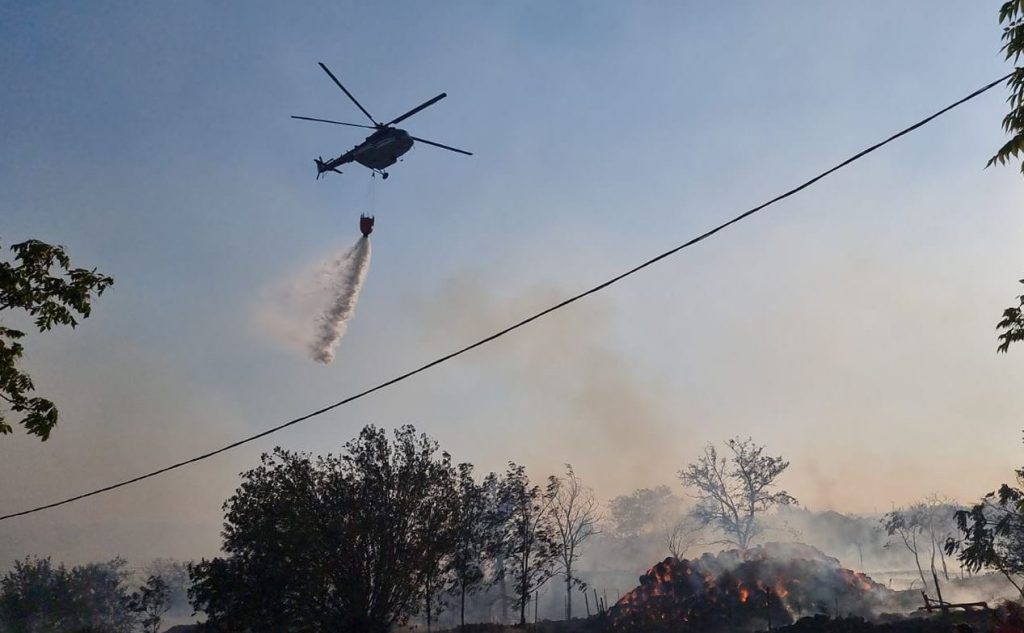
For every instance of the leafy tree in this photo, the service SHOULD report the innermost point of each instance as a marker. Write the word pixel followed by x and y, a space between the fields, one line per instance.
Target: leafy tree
pixel 1012 324
pixel 907 526
pixel 992 534
pixel 575 514
pixel 37 596
pixel 175 574
pixel 151 602
pixel 529 546
pixel 1011 16
pixel 41 283
pixel 641 512
pixel 732 491
pixel 356 525
pixel 637 524
pixel 474 534
pixel 437 524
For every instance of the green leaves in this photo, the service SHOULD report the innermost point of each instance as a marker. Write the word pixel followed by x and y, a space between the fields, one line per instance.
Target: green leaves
pixel 370 531
pixel 1013 324
pixel 1011 15
pixel 41 283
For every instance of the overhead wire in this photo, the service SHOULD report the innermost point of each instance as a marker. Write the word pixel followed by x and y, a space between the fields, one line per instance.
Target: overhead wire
pixel 519 324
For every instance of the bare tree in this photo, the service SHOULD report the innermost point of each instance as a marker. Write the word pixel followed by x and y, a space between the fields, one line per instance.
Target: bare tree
pixel 732 491
pixel 905 525
pixel 576 514
pixel 681 535
pixel 925 527
pixel 939 519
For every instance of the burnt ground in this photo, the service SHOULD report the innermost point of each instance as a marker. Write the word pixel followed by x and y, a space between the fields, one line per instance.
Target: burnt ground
pixel 1001 620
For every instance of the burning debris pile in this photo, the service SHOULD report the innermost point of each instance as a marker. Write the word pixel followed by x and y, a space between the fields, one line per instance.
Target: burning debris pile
pixel 769 585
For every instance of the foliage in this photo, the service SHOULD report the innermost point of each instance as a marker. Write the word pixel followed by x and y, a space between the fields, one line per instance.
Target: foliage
pixel 475 534
pixel 175 574
pixel 529 547
pixel 992 534
pixel 732 491
pixel 575 514
pixel 906 524
pixel 150 603
pixel 640 512
pixel 41 283
pixel 1013 324
pixel 1011 16
pixel 37 596
pixel 358 526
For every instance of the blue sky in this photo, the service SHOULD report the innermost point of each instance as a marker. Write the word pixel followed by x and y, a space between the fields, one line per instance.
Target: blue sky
pixel 850 328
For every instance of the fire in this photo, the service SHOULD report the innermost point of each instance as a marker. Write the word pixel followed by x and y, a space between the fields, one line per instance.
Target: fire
pixel 735 589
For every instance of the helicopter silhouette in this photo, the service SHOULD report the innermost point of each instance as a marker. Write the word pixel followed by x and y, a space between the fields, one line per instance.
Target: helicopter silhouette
pixel 382 148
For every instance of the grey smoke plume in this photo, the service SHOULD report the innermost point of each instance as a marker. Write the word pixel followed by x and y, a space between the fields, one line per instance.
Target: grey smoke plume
pixel 346 275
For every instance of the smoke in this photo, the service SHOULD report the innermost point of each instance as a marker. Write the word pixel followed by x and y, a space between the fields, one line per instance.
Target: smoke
pixel 307 310
pixel 346 275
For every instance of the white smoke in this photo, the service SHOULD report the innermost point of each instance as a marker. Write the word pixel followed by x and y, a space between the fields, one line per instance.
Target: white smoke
pixel 344 277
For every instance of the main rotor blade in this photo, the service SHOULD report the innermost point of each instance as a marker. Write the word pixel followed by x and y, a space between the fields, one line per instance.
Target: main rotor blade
pixel 452 149
pixel 308 118
pixel 343 89
pixel 419 107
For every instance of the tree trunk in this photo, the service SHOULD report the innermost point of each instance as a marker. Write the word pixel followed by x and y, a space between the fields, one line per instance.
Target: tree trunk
pixel 568 594
pixel 499 562
pixel 428 606
pixel 462 608
pixel 524 599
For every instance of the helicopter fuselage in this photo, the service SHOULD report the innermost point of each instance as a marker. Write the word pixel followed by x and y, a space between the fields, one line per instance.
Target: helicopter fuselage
pixel 385 146
pixel 380 150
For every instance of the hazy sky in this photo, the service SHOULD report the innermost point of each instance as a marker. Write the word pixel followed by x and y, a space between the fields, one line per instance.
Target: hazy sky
pixel 851 328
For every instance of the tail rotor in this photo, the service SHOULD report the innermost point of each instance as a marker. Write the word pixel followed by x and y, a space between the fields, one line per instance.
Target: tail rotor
pixel 321 167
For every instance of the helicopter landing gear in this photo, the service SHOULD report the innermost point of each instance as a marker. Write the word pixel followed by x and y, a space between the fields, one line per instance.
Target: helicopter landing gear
pixel 383 174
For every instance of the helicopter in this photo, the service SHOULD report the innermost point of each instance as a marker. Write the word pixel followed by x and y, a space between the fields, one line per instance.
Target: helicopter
pixel 381 149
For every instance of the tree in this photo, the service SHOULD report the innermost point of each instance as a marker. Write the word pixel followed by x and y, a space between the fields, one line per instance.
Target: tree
pixel 641 512
pixel 474 534
pixel 575 515
pixel 38 596
pixel 175 574
pixel 1011 15
pixel 437 523
pixel 528 544
pixel 907 526
pixel 151 602
pixel 925 527
pixel 356 525
pixel 732 491
pixel 992 534
pixel 41 283
pixel 638 523
pixel 1012 324
pixel 681 535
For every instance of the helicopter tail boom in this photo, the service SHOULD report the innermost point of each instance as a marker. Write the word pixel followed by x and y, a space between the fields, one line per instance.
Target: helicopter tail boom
pixel 322 166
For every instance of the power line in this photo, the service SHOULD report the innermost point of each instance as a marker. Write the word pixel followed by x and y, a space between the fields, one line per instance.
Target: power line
pixel 520 324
